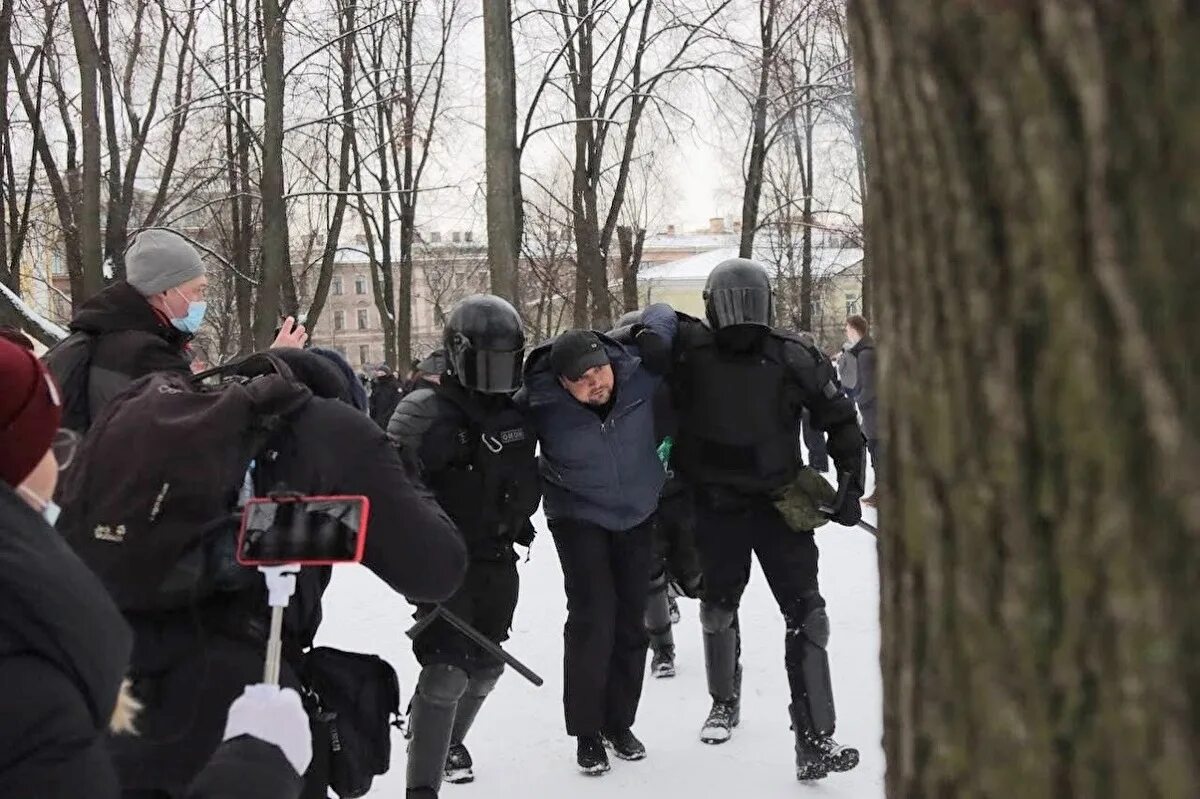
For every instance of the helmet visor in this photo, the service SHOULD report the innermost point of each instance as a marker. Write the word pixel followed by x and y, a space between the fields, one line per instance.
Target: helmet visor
pixel 490 371
pixel 749 306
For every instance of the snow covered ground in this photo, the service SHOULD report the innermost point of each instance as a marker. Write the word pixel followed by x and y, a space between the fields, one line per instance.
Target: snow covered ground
pixel 521 750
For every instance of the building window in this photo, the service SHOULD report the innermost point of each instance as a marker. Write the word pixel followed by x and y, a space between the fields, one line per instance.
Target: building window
pixel 851 305
pixel 58 266
pixel 362 319
pixel 468 236
pixel 337 287
pixel 360 285
pixel 339 320
pixel 364 354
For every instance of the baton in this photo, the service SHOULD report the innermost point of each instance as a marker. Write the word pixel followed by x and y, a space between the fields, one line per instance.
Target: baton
pixel 476 637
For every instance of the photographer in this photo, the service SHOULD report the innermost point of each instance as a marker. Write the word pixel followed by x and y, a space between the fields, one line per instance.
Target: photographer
pixel 189 662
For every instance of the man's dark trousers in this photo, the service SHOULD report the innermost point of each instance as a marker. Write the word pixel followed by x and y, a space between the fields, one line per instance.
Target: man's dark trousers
pixel 605 574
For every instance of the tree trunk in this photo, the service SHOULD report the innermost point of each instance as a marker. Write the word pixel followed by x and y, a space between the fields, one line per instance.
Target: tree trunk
pixel 629 242
pixel 1032 171
pixel 502 159
pixel 87 217
pixel 758 136
pixel 275 254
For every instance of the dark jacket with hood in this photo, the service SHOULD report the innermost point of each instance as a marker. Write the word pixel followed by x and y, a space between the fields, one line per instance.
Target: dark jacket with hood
pixel 386 391
pixel 189 665
pixel 64 650
pixel 602 471
pixel 130 339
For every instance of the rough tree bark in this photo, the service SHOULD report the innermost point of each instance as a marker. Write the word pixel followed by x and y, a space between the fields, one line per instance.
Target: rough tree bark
pixel 87 217
pixel 630 241
pixel 504 205
pixel 1033 175
pixel 276 262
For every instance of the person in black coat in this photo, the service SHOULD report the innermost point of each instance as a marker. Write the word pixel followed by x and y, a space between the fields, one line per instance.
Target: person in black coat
pixel 386 391
pixel 187 664
pixel 476 451
pixel 137 326
pixel 64 647
pixel 861 353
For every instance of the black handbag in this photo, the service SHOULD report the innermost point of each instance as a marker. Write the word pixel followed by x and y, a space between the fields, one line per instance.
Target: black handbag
pixel 357 699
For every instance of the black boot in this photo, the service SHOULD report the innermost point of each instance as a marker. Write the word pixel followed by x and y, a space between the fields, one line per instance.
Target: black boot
pixel 593 760
pixel 724 716
pixel 722 648
pixel 662 664
pixel 459 768
pixel 624 744
pixel 810 761
pixel 836 756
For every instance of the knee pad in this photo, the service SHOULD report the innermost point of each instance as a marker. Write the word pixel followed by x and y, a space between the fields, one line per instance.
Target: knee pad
pixel 441 683
pixel 716 618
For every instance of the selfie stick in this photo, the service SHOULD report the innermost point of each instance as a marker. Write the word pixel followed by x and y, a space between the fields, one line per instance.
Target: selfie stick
pixel 477 637
pixel 281 584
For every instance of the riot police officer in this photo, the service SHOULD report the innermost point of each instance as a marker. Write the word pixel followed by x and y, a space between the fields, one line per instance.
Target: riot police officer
pixel 740 387
pixel 476 454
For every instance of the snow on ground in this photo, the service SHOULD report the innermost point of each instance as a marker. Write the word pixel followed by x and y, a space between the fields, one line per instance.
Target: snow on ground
pixel 519 744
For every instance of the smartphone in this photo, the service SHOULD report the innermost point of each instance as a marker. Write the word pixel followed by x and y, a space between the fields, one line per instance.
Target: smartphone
pixel 310 531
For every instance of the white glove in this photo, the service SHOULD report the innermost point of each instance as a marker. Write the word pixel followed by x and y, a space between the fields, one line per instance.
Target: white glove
pixel 274 715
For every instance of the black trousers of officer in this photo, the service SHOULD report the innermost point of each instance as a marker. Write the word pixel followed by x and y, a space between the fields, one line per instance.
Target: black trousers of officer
pixel 726 535
pixel 604 662
pixel 675 541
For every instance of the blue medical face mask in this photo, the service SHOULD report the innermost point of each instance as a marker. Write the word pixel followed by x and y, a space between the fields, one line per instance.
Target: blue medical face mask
pixel 195 315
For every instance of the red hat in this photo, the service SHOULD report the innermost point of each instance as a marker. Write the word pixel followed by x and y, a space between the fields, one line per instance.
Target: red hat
pixel 30 410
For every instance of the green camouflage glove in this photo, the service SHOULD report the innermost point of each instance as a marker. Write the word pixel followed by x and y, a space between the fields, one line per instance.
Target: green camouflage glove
pixel 802 499
pixel 664 450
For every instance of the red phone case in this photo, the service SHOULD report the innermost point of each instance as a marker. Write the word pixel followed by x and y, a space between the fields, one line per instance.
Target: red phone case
pixel 362 537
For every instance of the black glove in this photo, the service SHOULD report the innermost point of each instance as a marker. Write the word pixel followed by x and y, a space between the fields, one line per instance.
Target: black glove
pixel 655 351
pixel 847 510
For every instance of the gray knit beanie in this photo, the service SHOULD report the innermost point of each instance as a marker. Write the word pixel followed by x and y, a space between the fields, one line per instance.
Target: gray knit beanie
pixel 159 260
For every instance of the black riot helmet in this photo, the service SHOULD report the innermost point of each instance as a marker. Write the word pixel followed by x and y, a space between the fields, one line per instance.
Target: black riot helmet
pixel 485 344
pixel 738 292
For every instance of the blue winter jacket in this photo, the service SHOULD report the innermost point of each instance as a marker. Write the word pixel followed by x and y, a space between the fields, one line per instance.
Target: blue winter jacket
pixel 603 472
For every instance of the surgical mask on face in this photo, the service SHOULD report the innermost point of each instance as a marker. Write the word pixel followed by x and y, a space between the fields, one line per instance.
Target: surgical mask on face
pixel 195 315
pixel 49 508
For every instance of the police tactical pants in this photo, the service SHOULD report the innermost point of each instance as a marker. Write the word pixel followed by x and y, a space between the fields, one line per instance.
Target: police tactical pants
pixel 727 536
pixel 604 572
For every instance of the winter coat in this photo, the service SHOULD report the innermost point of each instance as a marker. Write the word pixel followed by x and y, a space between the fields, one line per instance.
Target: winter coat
pixel 385 395
pixel 605 472
pixel 131 340
pixel 864 395
pixel 189 665
pixel 64 650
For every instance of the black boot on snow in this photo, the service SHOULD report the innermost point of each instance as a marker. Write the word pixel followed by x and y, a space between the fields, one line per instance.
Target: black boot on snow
pixel 459 768
pixel 625 745
pixel 663 662
pixel 593 760
pixel 836 756
pixel 718 727
pixel 810 759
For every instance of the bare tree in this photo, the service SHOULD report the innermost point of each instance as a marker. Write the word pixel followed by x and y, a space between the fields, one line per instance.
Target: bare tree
pixel 617 58
pixel 1042 481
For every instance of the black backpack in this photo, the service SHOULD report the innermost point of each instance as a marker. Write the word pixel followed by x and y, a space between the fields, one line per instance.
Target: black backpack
pixel 155 484
pixel 70 361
